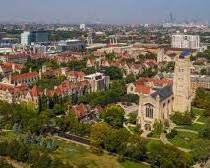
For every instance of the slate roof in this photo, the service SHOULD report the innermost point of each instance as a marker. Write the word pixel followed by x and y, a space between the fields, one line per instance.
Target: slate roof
pixel 163 93
pixel 185 53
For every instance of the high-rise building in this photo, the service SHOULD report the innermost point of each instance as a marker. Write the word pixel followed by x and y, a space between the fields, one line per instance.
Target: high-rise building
pixel 26 38
pixel 82 26
pixel 182 84
pixel 34 37
pixel 39 36
pixel 185 41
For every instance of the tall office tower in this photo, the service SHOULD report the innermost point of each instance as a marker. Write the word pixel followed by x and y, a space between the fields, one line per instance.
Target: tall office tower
pixel 185 41
pixel 39 36
pixel 182 84
pixel 171 18
pixel 26 38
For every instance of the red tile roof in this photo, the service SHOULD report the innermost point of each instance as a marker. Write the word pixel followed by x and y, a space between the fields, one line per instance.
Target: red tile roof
pixel 143 89
pixel 9 65
pixel 25 76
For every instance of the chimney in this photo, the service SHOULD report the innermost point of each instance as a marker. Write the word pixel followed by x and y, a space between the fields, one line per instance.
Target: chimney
pixel 63 71
pixel 40 74
pixel 45 91
pixel 44 68
pixel 13 68
pixel 10 78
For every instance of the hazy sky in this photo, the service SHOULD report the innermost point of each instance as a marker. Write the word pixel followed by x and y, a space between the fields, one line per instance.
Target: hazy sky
pixel 105 11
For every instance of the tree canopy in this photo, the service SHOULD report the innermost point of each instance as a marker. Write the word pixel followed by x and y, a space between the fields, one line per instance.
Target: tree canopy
pixel 114 116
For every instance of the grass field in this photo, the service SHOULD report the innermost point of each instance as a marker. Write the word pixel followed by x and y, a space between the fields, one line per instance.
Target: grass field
pixel 128 164
pixel 82 156
pixel 150 143
pixel 193 127
pixel 199 146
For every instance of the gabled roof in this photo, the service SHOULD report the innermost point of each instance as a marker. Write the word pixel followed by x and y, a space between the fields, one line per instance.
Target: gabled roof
pixel 24 76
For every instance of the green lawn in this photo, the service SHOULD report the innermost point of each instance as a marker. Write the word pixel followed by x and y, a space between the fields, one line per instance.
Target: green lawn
pixel 196 111
pixel 203 119
pixel 199 146
pixel 81 155
pixel 128 164
pixel 8 136
pixel 150 143
pixel 194 127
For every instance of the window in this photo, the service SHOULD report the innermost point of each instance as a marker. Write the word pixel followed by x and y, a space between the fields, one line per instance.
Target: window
pixel 149 111
pixel 131 89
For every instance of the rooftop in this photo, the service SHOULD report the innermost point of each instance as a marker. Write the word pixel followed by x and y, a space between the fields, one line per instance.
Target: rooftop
pixel 163 93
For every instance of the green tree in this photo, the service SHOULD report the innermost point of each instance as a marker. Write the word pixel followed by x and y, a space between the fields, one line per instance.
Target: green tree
pixel 58 109
pixel 205 132
pixel 167 156
pixel 116 139
pixel 113 72
pixel 110 56
pixel 182 119
pixel 114 116
pixel 98 134
pixel 130 78
pixel 132 118
pixel 158 127
pixel 135 148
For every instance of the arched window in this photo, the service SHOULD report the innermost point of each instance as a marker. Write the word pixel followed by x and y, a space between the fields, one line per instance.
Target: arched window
pixel 149 110
pixel 131 88
pixel 164 105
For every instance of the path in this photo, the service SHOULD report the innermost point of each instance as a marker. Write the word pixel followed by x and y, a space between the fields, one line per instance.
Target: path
pixel 126 127
pixel 187 130
pixel 68 140
pixel 166 141
pixel 196 120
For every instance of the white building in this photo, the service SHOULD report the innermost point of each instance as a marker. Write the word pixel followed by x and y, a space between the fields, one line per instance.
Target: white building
pixel 25 38
pixel 98 81
pixel 71 45
pixel 186 41
pixel 82 26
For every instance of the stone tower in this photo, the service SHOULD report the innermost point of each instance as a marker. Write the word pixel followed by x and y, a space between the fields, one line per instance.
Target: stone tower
pixel 182 84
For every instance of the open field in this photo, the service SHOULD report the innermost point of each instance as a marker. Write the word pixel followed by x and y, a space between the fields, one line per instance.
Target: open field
pixel 81 156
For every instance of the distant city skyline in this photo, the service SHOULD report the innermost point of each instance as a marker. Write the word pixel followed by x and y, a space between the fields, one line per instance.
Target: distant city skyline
pixel 103 11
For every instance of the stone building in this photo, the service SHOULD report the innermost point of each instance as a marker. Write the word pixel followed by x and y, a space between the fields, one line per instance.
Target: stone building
pixel 182 85
pixel 159 104
pixel 155 107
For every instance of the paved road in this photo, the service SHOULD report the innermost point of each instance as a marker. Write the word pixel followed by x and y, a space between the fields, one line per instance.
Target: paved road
pixel 70 137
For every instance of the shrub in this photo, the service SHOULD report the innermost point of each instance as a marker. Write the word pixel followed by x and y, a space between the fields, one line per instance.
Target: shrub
pixel 150 134
pixel 158 128
pixel 205 133
pixel 171 134
pixel 206 113
pixel 182 119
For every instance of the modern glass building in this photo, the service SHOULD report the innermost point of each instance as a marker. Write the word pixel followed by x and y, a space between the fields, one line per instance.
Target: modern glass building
pixel 34 37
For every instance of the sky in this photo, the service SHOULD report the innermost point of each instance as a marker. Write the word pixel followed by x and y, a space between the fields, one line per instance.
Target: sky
pixel 103 11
